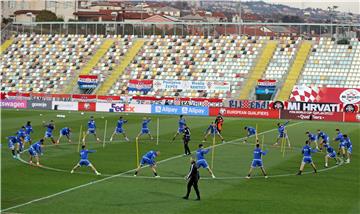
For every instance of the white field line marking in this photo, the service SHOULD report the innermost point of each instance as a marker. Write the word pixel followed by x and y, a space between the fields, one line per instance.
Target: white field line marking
pixel 181 178
pixel 121 174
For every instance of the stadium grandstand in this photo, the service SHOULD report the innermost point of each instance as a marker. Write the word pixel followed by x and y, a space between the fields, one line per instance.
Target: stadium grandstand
pixel 43 59
pixel 107 104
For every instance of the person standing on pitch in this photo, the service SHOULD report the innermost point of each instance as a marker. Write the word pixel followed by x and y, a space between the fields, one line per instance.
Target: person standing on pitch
pixel 186 138
pixel 219 121
pixel 306 152
pixel 181 127
pixel 348 147
pixel 201 161
pixel 193 178
pixel 119 129
pixel 84 161
pixel 257 161
pixel 91 130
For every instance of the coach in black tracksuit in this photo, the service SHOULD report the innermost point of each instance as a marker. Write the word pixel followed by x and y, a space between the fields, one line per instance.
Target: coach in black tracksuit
pixel 186 139
pixel 193 178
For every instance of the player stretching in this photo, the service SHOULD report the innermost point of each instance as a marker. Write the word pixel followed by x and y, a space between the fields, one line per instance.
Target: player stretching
pixel 145 128
pixel 49 130
pixel 28 131
pixel 119 129
pixel 21 134
pixel 348 147
pixel 250 132
pixel 330 154
pixel 212 130
pixel 201 162
pixel 312 138
pixel 219 121
pixel 306 151
pixel 84 161
pixel 181 127
pixel 340 138
pixel 282 133
pixel 257 161
pixel 91 129
pixel 65 132
pixel 149 159
pixel 15 145
pixel 324 138
pixel 35 150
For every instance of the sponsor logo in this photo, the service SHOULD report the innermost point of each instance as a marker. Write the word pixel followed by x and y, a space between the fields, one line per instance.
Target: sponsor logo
pixel 278 105
pixel 87 106
pixel 13 104
pixel 186 110
pixel 350 96
pixel 157 109
pixel 222 111
pixel 117 107
pixel 299 106
pixel 349 108
pixel 39 105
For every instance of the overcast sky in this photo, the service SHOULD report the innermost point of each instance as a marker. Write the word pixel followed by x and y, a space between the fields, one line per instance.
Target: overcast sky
pixel 352 6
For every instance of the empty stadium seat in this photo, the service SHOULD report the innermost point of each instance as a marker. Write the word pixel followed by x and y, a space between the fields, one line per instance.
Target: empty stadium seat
pixel 45 63
pixel 332 65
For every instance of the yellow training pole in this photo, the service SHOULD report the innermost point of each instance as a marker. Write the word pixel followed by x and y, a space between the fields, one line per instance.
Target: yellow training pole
pixel 78 148
pixel 284 146
pixel 213 153
pixel 157 131
pixel 137 151
pixel 105 134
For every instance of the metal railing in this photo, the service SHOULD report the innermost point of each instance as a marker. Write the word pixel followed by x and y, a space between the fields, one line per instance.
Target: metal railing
pixel 142 29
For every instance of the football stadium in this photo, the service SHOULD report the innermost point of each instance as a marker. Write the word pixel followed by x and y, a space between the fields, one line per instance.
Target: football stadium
pixel 115 106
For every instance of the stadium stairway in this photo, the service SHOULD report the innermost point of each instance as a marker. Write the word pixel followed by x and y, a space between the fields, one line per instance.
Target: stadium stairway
pixel 132 52
pixel 97 56
pixel 259 69
pixel 91 64
pixel 295 70
pixel 6 44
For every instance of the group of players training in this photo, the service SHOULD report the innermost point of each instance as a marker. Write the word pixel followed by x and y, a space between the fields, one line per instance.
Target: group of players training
pixel 23 137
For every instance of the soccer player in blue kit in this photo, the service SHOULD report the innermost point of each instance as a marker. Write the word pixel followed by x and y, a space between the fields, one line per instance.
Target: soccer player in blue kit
pixel 323 137
pixel 65 132
pixel 312 138
pixel 149 159
pixel 49 130
pixel 282 133
pixel 330 154
pixel 15 145
pixel 84 161
pixel 119 129
pixel 21 134
pixel 212 130
pixel 28 131
pixel 257 161
pixel 35 151
pixel 306 152
pixel 91 129
pixel 342 144
pixel 145 128
pixel 201 161
pixel 181 128
pixel 251 131
pixel 348 146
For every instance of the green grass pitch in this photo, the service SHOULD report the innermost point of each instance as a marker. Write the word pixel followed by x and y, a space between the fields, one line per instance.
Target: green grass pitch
pixel 330 191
